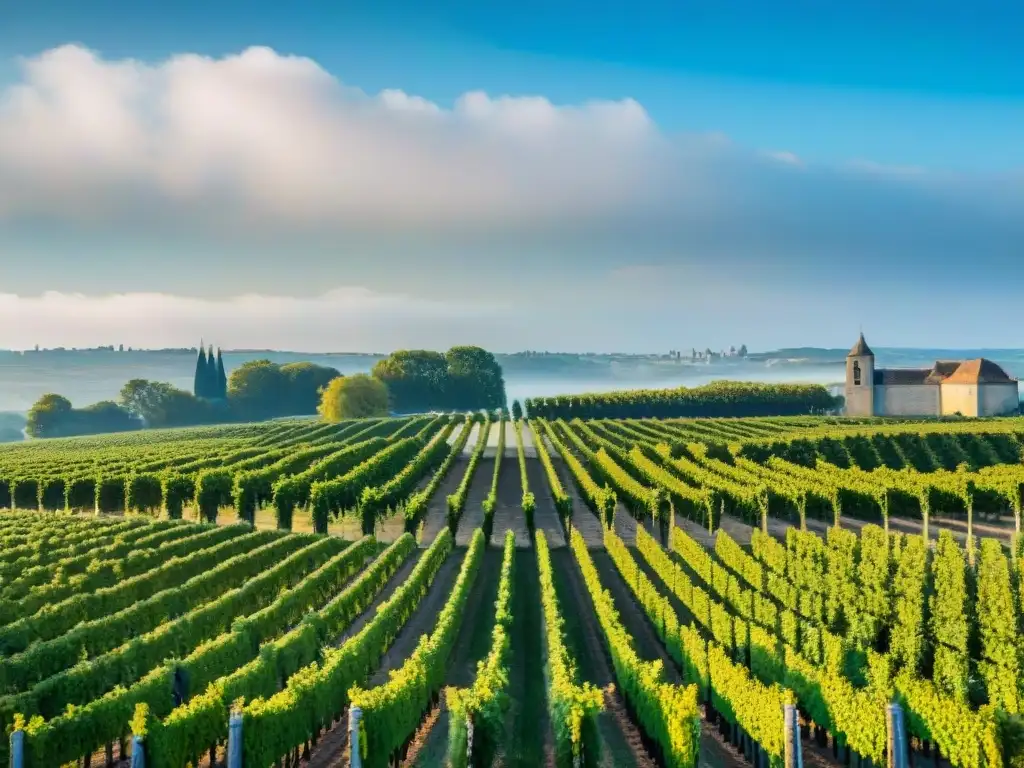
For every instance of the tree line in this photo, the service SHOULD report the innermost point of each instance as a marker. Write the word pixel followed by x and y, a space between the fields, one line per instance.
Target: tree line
pixel 256 391
pixel 464 378
pixel 417 381
pixel 717 399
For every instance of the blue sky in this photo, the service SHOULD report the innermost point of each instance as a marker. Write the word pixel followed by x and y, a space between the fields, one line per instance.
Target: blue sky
pixel 789 172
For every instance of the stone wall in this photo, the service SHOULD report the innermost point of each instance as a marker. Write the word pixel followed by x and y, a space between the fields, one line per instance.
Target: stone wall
pixel 960 399
pixel 999 399
pixel 907 400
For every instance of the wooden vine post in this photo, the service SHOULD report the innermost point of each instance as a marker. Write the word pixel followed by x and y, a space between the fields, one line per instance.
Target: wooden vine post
pixel 355 715
pixel 793 751
pixel 896 746
pixel 235 740
pixel 18 749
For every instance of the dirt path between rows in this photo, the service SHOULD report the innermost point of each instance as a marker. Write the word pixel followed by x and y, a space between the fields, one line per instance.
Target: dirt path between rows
pixel 545 516
pixel 741 532
pixel 422 620
pixel 645 639
pixel 437 508
pixel 528 741
pixel 473 513
pixel 471 443
pixel 714 753
pixel 472 646
pixel 626 525
pixel 396 580
pixel 583 519
pixel 508 512
pixel 331 751
pixel 621 742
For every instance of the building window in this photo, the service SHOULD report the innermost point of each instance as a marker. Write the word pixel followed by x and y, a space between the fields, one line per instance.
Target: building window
pixel 856 373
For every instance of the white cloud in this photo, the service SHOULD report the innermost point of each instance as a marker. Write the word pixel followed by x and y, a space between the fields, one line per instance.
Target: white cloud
pixel 350 318
pixel 274 146
pixel 268 137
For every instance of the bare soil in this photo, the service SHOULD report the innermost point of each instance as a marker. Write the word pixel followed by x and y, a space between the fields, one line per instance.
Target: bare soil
pixel 545 517
pixel 332 749
pixel 713 750
pixel 454 436
pixel 437 509
pixel 583 519
pixel 473 513
pixel 396 580
pixel 701 534
pixel 682 612
pixel 386 530
pixel 626 525
pixel 741 532
pixel 471 443
pixel 621 742
pixel 645 638
pixel 430 744
pixel 528 741
pixel 422 620
pixel 508 512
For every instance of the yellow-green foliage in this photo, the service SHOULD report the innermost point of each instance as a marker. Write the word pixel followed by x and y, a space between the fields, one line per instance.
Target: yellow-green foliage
pixel 570 703
pixel 486 702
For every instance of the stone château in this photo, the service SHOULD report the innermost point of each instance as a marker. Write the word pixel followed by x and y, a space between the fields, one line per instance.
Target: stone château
pixel 966 387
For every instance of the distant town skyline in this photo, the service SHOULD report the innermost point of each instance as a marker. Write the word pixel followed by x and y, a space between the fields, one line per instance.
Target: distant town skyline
pixel 377 176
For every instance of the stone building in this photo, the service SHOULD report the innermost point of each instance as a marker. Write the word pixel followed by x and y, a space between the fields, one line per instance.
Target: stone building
pixel 965 387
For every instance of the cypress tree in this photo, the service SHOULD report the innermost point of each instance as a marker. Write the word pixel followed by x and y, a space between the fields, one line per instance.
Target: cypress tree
pixel 222 378
pixel 199 382
pixel 212 383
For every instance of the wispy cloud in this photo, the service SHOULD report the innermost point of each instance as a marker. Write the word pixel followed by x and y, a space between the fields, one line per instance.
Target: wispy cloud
pixel 351 318
pixel 784 156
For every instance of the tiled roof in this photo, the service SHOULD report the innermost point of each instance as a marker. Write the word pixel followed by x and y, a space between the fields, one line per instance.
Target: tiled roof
pixel 901 376
pixel 980 371
pixel 942 369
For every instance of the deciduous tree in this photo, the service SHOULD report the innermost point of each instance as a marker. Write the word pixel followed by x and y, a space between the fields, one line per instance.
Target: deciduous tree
pixel 464 378
pixel 257 390
pixel 416 379
pixel 159 404
pixel 53 416
pixel 476 379
pixel 306 382
pixel 354 397
pixel 49 416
